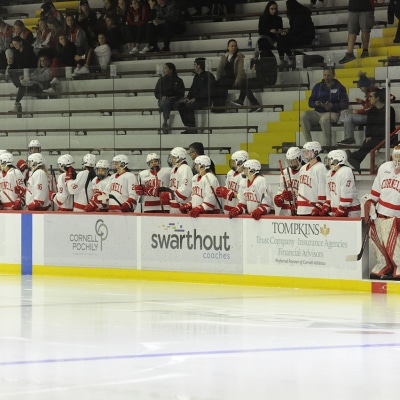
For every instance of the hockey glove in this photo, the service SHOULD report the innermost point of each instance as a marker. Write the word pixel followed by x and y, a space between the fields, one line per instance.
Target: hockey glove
pixel 185 208
pixel 326 209
pixel 17 205
pixel 316 211
pixel 224 193
pixel 35 205
pixel 287 195
pixel 126 207
pixel 258 212
pixel 19 190
pixel 51 196
pixel 234 212
pixel 90 207
pixel 21 165
pixel 369 210
pixel 195 212
pixel 279 200
pixel 139 190
pixel 165 198
pixel 70 174
pixel 341 212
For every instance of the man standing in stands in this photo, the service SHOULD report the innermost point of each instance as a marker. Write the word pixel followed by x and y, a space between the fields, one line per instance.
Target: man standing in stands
pixel 361 18
pixel 328 98
pixel 199 95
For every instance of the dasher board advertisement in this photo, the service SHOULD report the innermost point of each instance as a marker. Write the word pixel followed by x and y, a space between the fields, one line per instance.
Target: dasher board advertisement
pixel 10 244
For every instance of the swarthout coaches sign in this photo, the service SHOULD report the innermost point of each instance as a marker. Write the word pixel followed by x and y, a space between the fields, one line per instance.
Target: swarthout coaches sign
pixel 187 244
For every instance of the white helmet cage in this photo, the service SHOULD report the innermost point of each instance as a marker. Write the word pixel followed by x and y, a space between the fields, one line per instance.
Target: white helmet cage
pixel 89 160
pixel 6 159
pixel 65 161
pixel 35 160
pixel 396 156
pixel 34 143
pixel 179 153
pixel 151 157
pixel 122 160
pixel 315 147
pixel 293 157
pixel 337 157
pixel 240 157
pixel 254 166
pixel 204 162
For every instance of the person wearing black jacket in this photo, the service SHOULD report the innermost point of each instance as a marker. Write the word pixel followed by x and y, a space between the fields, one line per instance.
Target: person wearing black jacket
pixel 394 11
pixel 301 31
pixel 199 95
pixel 270 24
pixel 375 128
pixel 169 91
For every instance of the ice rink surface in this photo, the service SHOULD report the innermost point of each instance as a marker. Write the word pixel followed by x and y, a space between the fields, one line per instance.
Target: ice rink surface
pixel 63 338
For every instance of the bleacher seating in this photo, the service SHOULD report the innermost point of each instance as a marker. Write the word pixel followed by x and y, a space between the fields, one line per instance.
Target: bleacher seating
pixel 121 112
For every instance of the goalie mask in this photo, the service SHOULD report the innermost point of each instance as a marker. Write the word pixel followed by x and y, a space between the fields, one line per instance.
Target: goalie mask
pixel 102 169
pixel 239 158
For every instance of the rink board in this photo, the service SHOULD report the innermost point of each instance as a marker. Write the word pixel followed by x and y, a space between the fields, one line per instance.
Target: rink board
pixel 275 251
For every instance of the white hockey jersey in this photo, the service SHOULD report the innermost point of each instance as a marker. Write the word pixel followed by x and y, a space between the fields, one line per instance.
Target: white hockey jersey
pixel 122 189
pixel 232 182
pixel 180 182
pixel 63 199
pixel 312 185
pixel 150 178
pixel 203 192
pixel 8 181
pixel 37 189
pixel 252 194
pixel 292 182
pixel 82 194
pixel 341 191
pixel 101 186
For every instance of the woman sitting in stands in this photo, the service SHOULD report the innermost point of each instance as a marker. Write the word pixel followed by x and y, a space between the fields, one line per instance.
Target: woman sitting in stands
pixel 270 24
pixel 64 56
pixel 135 25
pixel 87 19
pixel 109 10
pixel 102 53
pixel 170 91
pixel 230 74
pixel 301 31
pixel 43 36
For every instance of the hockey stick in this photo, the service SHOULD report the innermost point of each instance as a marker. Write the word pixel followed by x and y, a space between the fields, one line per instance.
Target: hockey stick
pixel 216 197
pixel 357 257
pixel 285 185
pixel 291 189
pixel 111 196
pixel 53 180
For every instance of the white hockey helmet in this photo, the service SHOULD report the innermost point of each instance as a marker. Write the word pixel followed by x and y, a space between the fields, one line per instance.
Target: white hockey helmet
pixel 121 160
pixel 6 159
pixel 254 166
pixel 3 151
pixel 89 160
pixel 240 157
pixel 35 160
pixel 103 164
pixel 293 157
pixel 337 157
pixel 396 156
pixel 65 161
pixel 151 157
pixel 34 144
pixel 179 153
pixel 314 147
pixel 204 162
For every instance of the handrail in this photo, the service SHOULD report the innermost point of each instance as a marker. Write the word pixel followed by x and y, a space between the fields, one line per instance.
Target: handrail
pixel 372 168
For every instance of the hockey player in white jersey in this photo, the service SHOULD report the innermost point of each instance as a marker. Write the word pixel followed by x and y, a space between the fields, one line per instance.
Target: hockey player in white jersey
pixel 101 188
pixel 382 207
pixel 123 196
pixel 37 189
pixel 80 185
pixel 12 186
pixel 149 181
pixel 63 199
pixel 286 195
pixel 180 182
pixel 233 179
pixel 204 183
pixel 341 192
pixel 255 196
pixel 312 181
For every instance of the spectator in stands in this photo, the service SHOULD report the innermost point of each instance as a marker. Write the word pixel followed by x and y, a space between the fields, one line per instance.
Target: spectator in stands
pixel 300 32
pixel 38 81
pixel 113 34
pixel 358 116
pixel 87 19
pixel 165 20
pixel 375 128
pixel 23 32
pixel 169 91
pixel 109 10
pixel 197 149
pixel 22 57
pixel 199 94
pixel 394 11
pixel 135 25
pixel 43 36
pixel 64 55
pixel 6 33
pixel 317 4
pixel 48 10
pixel 328 98
pixel 361 18
pixel 102 53
pixel 265 71
pixel 75 34
pixel 230 74
pixel 270 24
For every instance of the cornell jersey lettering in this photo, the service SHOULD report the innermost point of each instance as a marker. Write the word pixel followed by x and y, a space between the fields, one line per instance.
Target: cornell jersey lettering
pixel 197 191
pixel 332 187
pixel 116 187
pixel 305 180
pixel 391 184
